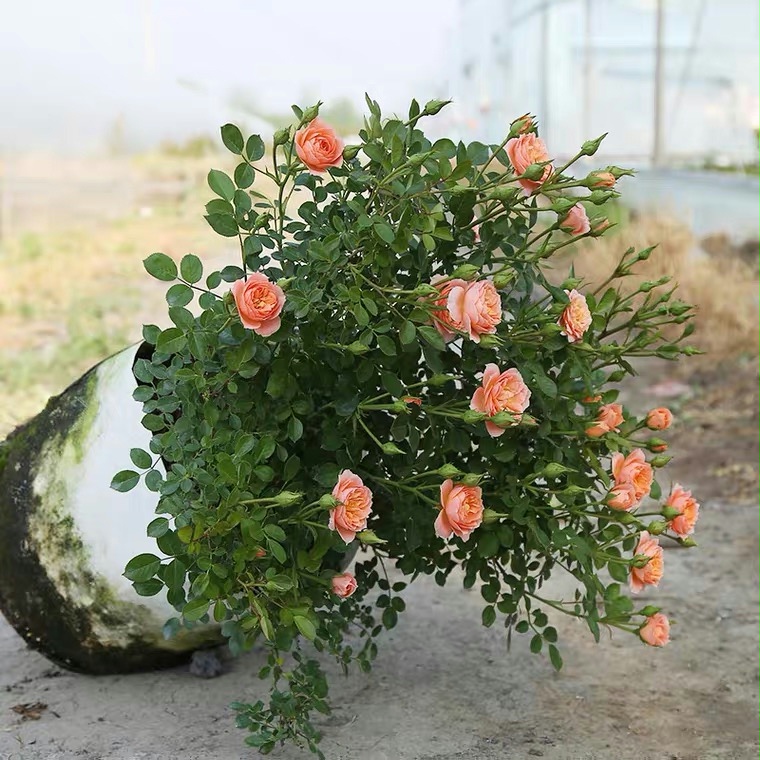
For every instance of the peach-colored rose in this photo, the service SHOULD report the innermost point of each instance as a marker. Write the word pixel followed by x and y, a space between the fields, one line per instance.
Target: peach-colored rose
pixel 656 631
pixel 522 124
pixel 591 399
pixel 525 150
pixel 660 418
pixel 599 225
pixel 658 448
pixel 500 392
pixel 412 400
pixel 576 221
pixel 650 574
pixel 608 420
pixel 576 317
pixel 476 307
pixel 260 553
pixel 343 585
pixel 355 504
pixel 622 497
pixel 259 303
pixel 461 510
pixel 318 146
pixel 602 179
pixel 476 232
pixel 635 470
pixel 442 319
pixel 687 505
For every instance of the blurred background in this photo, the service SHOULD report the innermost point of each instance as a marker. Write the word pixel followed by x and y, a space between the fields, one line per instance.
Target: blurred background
pixel 111 115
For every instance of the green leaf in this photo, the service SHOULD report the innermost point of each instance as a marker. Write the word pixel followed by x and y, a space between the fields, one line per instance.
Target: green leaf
pixel 191 268
pixel 160 266
pixel 295 429
pixel 223 224
pixel 179 295
pixel 432 337
pixel 157 527
pixel 489 616
pixel 174 574
pixel 232 139
pixel 384 231
pixel 386 345
pixel 142 568
pixel 305 626
pixel 125 480
pixel 244 175
pixel 536 643
pixel 546 385
pixel 171 341
pixel 555 657
pixel 407 333
pixel 254 148
pixel 148 588
pixel 140 459
pixel 195 610
pixel 221 184
pixel 275 532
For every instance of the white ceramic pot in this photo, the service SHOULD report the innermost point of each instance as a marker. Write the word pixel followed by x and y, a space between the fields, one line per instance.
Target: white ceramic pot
pixel 65 535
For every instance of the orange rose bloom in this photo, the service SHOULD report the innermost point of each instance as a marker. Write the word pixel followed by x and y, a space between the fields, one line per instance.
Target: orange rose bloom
pixel 650 574
pixel 318 146
pixel 259 303
pixel 525 150
pixel 576 317
pixel 656 631
pixel 608 420
pixel 687 505
pixel 633 470
pixel 622 497
pixel 576 221
pixel 659 419
pixel 461 510
pixel 602 179
pixel 476 307
pixel 444 322
pixel 354 505
pixel 343 585
pixel 500 392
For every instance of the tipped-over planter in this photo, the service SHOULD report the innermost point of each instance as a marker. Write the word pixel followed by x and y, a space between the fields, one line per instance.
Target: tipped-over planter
pixel 65 536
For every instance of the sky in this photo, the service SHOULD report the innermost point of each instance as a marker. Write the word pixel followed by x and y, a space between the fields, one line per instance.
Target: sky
pixel 68 69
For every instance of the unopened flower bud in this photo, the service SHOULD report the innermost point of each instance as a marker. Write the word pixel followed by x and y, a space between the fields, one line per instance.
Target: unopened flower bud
pixel 534 172
pixel 504 193
pixel 369 537
pixel 644 254
pixel 448 471
pixel 649 610
pixel 328 501
pixel 687 541
pixel 657 444
pixel 553 470
pixel 286 498
pixel 440 379
pixel 626 518
pixel 490 341
pixel 502 419
pixel 351 152
pixel 466 272
pixel 472 478
pixel 281 136
pixel 660 460
pixel 655 528
pixel 490 516
pixel 432 107
pixel 551 328
pixel 677 308
pixel 598 226
pixel 426 290
pixel 391 448
pixel 503 278
pixel 645 287
pixel 311 113
pixel 472 417
pixel 285 282
pixel 616 376
pixel 357 347
pixel 600 179
pixel 561 206
pixel 617 172
pixel 419 158
pixel 571 283
pixel 574 490
pixel 669 513
pixel 398 407
pixel 592 146
pixel 521 126
pixel 597 197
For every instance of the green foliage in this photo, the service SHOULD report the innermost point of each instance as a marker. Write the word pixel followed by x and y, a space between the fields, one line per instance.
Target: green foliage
pixel 254 430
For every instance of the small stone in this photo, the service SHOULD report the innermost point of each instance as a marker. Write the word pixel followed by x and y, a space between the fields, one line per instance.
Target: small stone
pixel 205 663
pixel 535 752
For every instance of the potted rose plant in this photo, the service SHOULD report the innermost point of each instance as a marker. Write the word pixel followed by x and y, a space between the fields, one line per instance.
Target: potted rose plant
pixel 386 367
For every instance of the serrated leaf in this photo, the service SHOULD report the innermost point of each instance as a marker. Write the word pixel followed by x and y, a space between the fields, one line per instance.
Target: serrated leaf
pixel 179 295
pixel 160 266
pixel 157 527
pixel 221 184
pixel 125 480
pixel 191 268
pixel 254 148
pixel 141 459
pixel 142 568
pixel 223 224
pixel 244 175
